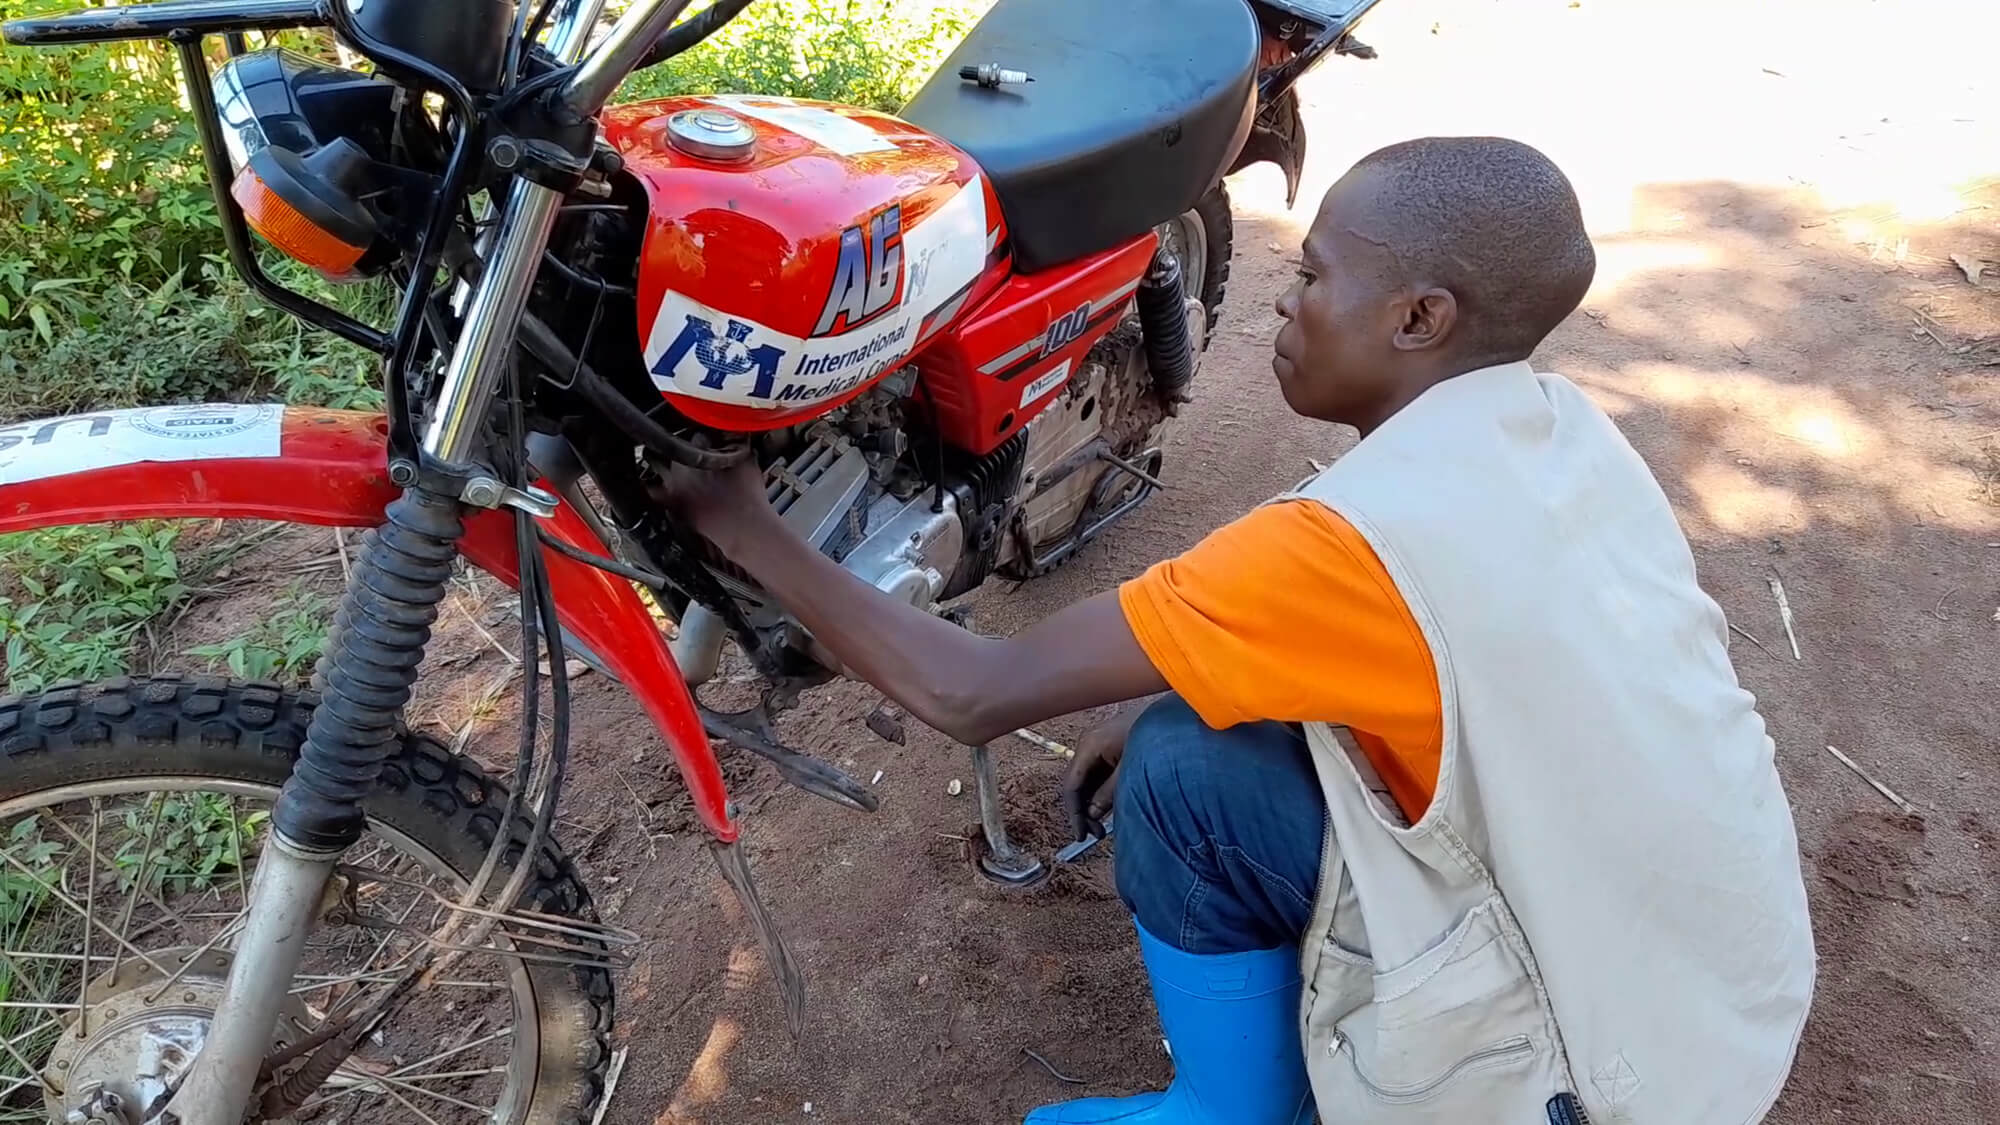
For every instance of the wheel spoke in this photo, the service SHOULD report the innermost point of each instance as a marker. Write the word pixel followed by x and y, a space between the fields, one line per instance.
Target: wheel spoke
pixel 192 959
pixel 411 1106
pixel 391 1085
pixel 18 1084
pixel 503 1033
pixel 89 917
pixel 159 845
pixel 14 973
pixel 96 858
pixel 28 1069
pixel 145 865
pixel 71 903
pixel 445 1075
pixel 236 848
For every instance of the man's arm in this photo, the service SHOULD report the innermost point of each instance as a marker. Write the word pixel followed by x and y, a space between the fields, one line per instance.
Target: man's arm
pixel 970 687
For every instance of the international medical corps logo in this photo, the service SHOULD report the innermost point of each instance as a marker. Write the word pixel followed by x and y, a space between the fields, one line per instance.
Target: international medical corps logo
pixel 724 358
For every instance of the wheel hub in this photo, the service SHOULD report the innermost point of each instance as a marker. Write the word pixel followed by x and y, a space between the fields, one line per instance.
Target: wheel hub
pixel 140 1033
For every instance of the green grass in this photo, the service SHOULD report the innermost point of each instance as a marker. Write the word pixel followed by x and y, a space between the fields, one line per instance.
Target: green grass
pixel 872 53
pixel 281 646
pixel 113 291
pixel 195 841
pixel 79 597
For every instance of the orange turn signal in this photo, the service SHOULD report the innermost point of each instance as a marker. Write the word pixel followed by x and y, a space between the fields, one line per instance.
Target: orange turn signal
pixel 284 227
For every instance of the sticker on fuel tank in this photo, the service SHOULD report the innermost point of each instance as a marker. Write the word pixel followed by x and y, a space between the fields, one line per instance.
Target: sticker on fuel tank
pixel 869 279
pixel 889 278
pixel 835 132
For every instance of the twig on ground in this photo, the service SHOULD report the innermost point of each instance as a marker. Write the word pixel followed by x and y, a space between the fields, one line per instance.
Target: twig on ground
pixel 486 699
pixel 1785 615
pixel 951 836
pixel 1937 611
pixel 1925 330
pixel 1044 742
pixel 611 1074
pixel 645 814
pixel 1051 1068
pixel 474 622
pixel 1864 775
pixel 340 544
pixel 1751 637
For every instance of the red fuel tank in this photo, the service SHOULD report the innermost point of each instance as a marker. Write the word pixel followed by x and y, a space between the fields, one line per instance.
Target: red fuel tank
pixel 795 251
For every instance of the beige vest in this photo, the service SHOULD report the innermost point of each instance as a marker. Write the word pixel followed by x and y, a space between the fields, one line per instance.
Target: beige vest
pixel 1604 896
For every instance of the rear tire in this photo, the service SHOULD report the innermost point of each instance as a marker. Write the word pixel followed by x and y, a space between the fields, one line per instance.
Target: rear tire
pixel 1212 223
pixel 202 727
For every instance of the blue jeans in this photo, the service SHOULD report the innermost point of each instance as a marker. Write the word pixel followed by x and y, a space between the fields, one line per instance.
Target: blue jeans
pixel 1219 831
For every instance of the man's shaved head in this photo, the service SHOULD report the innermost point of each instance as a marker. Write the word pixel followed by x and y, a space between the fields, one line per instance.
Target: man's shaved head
pixel 1428 259
pixel 1490 219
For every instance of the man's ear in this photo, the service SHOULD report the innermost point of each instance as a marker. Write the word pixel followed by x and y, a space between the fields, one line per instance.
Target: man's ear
pixel 1429 315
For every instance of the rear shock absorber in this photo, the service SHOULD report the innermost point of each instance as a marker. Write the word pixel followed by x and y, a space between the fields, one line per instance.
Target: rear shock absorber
pixel 1163 321
pixel 375 645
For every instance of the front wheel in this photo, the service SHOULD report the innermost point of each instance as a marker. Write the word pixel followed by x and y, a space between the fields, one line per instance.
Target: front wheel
pixel 133 812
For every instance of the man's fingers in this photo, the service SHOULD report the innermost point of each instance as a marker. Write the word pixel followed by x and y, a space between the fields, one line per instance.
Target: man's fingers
pixel 1101 802
pixel 1084 785
pixel 1079 819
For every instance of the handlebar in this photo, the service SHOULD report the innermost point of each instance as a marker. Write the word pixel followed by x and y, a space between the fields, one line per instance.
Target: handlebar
pixel 646 36
pixel 173 19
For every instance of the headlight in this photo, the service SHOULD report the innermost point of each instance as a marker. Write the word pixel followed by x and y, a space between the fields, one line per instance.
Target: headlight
pixel 280 97
pixel 303 140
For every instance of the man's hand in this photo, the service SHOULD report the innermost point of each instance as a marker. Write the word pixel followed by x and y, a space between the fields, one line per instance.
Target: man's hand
pixel 721 504
pixel 1091 783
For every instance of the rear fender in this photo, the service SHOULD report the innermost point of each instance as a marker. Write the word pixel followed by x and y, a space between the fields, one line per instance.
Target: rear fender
pixel 1279 136
pixel 327 468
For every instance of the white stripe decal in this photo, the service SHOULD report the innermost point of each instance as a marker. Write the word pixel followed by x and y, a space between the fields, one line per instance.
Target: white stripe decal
pixel 1019 352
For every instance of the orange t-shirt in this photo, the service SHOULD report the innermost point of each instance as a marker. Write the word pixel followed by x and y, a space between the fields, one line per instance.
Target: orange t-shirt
pixel 1287 614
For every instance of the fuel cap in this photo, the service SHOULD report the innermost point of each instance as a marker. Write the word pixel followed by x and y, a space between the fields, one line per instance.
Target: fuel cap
pixel 711 134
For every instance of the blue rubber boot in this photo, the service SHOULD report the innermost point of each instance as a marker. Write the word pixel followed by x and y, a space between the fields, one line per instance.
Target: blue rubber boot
pixel 1232 1022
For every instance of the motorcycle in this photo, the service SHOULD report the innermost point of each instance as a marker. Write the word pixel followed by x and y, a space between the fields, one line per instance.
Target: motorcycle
pixel 949 337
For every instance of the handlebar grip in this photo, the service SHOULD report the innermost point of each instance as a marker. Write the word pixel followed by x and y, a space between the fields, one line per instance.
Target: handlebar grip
pixel 159 21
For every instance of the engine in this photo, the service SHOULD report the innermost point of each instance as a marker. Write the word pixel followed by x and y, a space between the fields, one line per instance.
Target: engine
pixel 924 522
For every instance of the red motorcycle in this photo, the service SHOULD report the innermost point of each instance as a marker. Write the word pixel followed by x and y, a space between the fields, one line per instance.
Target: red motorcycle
pixel 949 337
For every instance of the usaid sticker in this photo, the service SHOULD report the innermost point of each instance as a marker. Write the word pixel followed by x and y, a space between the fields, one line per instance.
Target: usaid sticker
pixel 78 443
pixel 887 279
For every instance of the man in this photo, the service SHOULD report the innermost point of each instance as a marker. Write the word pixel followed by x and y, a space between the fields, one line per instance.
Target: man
pixel 1456 783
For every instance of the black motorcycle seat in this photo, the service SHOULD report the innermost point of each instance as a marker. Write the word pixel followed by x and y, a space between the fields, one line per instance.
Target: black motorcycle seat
pixel 1135 111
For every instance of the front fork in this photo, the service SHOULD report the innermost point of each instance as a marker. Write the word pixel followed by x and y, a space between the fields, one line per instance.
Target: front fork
pixel 375 647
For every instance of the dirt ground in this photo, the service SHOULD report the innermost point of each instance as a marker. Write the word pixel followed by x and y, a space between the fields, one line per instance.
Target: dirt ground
pixel 1781 327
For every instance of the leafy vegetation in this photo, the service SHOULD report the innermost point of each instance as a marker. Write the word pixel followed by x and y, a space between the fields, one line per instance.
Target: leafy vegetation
pixel 281 646
pixel 183 842
pixel 114 291
pixel 81 595
pixel 176 842
pixel 872 53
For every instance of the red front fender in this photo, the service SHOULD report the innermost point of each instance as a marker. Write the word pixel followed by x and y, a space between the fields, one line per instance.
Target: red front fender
pixel 326 467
